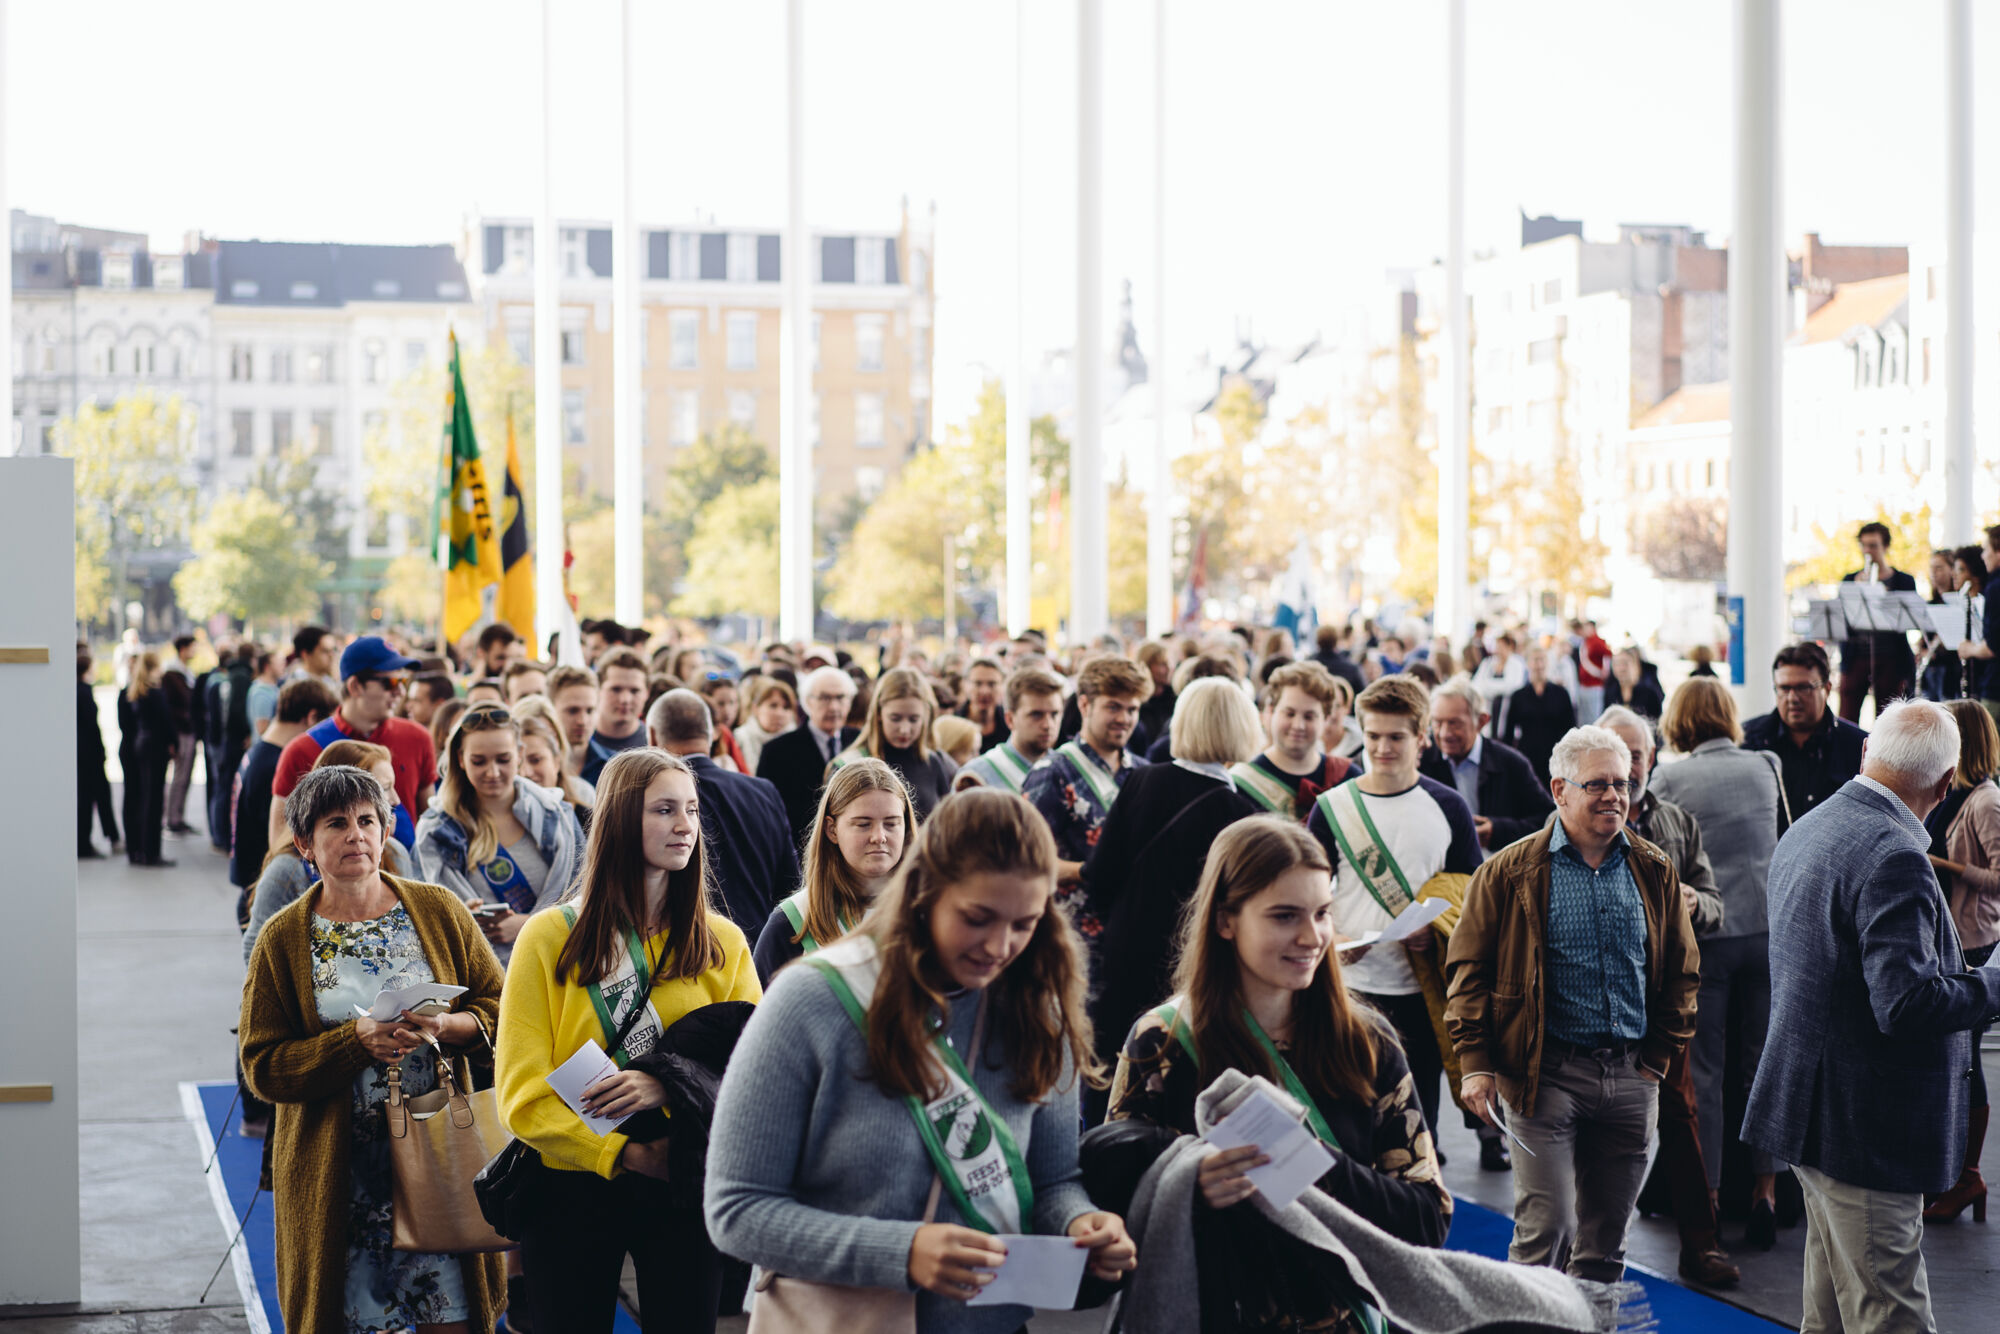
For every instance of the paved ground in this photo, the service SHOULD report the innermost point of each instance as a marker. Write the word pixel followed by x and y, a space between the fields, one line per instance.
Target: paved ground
pixel 160 978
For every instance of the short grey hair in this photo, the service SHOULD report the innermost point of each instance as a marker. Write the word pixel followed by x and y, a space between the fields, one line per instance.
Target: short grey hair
pixel 1566 760
pixel 1915 740
pixel 826 676
pixel 1460 688
pixel 1620 716
pixel 334 790
pixel 680 716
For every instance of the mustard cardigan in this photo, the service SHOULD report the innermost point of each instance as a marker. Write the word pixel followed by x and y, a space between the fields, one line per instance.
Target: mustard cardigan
pixel 306 1070
pixel 543 1021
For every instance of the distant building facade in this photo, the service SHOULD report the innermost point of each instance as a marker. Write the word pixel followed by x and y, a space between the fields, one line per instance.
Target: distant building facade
pixel 710 310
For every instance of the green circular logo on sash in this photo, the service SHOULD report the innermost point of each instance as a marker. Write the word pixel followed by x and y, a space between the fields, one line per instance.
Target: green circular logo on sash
pixel 964 1131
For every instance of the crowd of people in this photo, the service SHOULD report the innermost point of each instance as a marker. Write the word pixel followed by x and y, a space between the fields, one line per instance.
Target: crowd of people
pixel 896 959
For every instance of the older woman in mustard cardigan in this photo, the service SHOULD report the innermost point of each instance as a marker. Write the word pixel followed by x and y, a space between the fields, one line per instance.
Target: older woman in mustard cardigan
pixel 325 1070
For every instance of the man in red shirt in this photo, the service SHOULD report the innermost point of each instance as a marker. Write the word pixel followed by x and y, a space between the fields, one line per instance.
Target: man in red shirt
pixel 1593 664
pixel 372 677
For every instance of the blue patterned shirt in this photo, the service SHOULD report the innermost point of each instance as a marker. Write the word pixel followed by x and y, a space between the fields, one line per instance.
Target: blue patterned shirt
pixel 1596 946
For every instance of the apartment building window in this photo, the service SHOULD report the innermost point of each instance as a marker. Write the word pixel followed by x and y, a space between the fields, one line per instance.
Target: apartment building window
pixel 742 257
pixel 684 335
pixel 520 250
pixel 1499 419
pixel 242 433
pixel 572 347
pixel 1542 352
pixel 388 289
pixel 871 260
pixel 1552 291
pixel 868 331
pixel 817 321
pixel 1927 360
pixel 683 256
pixel 414 356
pixel 373 424
pixel 572 252
pixel 319 364
pixel 521 334
pixel 102 358
pixel 574 424
pixel 868 482
pixel 281 432
pixel 142 360
pixel 281 365
pixel 305 291
pixel 243 289
pixel 743 408
pixel 320 439
pixel 684 422
pixel 868 421
pixel 372 361
pixel 742 340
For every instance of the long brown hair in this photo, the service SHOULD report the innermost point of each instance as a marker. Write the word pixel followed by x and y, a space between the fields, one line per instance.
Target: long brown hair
pixel 610 895
pixel 455 795
pixel 1332 1050
pixel 898 683
pixel 835 892
pixel 1037 1003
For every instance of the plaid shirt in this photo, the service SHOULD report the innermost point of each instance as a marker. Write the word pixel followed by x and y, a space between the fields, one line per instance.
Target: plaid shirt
pixel 1596 946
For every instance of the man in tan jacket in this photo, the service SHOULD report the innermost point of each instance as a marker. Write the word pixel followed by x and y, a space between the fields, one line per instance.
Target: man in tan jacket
pixel 1571 985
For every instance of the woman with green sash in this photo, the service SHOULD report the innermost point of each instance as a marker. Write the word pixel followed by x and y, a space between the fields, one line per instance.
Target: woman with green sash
pixel 865 818
pixel 640 931
pixel 1258 989
pixel 942 1042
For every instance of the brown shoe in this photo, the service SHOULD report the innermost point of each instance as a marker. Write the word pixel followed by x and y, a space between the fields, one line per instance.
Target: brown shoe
pixel 1710 1268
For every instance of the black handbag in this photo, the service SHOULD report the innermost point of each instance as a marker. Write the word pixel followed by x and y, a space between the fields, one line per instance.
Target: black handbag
pixel 506 1187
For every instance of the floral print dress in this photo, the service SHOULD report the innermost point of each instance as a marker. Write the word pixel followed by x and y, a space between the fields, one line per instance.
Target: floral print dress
pixel 387 1289
pixel 1404 1193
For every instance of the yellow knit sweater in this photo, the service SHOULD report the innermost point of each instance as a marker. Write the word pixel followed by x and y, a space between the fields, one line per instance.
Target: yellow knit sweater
pixel 543 1021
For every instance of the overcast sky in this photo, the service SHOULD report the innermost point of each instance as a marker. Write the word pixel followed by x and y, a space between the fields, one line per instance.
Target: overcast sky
pixel 1305 139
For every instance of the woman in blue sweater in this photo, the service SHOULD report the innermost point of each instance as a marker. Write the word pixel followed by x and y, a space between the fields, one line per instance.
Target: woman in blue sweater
pixel 962 994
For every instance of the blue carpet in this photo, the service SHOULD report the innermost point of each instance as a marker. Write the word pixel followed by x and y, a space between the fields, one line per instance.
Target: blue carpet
pixel 1481 1231
pixel 239 1164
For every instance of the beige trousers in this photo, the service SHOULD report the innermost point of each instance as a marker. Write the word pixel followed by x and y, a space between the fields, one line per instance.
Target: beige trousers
pixel 1864 1260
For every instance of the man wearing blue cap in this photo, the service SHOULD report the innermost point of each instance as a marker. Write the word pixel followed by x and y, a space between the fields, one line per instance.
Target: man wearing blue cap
pixel 372 677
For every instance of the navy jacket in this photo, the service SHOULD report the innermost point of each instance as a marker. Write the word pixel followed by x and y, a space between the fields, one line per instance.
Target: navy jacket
pixel 1830 757
pixel 1517 802
pixel 749 839
pixel 1866 1068
pixel 794 765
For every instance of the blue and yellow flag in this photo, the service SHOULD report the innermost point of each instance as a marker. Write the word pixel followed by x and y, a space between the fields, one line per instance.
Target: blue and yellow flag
pixel 517 554
pixel 466 546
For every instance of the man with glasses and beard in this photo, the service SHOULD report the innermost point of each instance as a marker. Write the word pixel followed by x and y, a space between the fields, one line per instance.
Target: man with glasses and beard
pixel 1565 1022
pixel 1818 750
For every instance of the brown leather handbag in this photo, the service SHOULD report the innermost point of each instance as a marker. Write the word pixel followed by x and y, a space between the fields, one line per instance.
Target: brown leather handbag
pixel 799 1306
pixel 438 1141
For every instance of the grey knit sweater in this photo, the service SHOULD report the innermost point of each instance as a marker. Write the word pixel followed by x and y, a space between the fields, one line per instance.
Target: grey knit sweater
pixel 817 1174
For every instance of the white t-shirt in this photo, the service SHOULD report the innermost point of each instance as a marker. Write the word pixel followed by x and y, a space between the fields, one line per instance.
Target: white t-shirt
pixel 1420 827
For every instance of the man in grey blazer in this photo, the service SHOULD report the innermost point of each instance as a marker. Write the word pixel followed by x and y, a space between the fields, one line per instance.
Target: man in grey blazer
pixel 1863 1081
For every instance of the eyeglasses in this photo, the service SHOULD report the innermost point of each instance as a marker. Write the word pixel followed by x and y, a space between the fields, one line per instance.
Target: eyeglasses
pixel 826 699
pixel 1808 688
pixel 1597 787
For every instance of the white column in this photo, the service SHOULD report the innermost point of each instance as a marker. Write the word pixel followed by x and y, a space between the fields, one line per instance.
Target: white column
pixel 1961 458
pixel 27 445
pixel 549 542
pixel 1020 528
pixel 1756 335
pixel 1453 614
pixel 1159 523
pixel 628 492
pixel 795 462
pixel 1088 551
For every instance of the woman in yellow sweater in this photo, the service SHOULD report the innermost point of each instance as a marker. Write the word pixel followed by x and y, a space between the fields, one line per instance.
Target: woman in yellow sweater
pixel 640 930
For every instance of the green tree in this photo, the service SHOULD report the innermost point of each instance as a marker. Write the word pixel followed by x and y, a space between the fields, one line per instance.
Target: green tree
pixel 250 562
pixel 1839 552
pixel 135 490
pixel 724 458
pixel 593 576
pixel 733 554
pixel 410 589
pixel 319 516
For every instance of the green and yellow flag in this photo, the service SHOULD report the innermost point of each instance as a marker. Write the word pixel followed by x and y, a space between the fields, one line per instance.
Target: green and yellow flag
pixel 517 555
pixel 466 541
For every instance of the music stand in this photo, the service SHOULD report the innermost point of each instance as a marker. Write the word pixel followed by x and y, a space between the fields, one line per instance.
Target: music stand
pixel 1826 622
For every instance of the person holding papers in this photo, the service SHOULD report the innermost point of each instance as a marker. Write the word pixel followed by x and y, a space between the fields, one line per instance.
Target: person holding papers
pixel 1386 834
pixel 1572 976
pixel 355 934
pixel 640 933
pixel 865 818
pixel 1258 989
pixel 905 1100
pixel 1295 768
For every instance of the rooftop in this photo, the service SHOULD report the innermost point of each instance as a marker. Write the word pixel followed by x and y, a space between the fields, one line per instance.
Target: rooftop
pixel 309 274
pixel 1860 305
pixel 1690 405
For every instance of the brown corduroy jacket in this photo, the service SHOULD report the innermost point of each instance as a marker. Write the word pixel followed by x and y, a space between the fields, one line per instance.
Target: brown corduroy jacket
pixel 292 1060
pixel 1496 1000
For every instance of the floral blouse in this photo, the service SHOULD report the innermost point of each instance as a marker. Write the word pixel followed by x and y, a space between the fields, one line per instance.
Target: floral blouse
pixel 1387 1169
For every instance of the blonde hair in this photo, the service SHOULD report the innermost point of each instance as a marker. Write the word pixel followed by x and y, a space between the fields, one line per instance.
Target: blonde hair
pixel 145 675
pixel 362 755
pixel 1215 723
pixel 455 795
pixel 957 737
pixel 537 717
pixel 835 891
pixel 763 686
pixel 894 684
